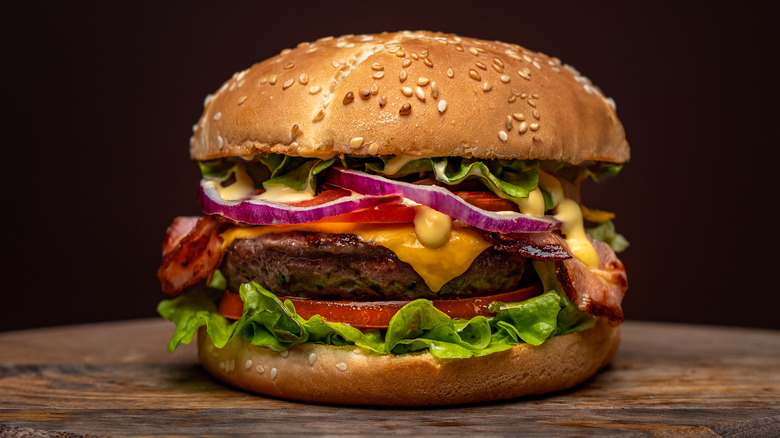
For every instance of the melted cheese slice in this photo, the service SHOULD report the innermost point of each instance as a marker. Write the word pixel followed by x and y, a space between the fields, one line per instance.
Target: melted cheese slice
pixel 436 266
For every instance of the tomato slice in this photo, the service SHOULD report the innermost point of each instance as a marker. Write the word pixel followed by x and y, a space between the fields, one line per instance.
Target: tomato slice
pixel 395 213
pixel 487 201
pixel 377 314
pixel 322 198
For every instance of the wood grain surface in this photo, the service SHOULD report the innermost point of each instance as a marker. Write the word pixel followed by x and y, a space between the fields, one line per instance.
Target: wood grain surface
pixel 117 379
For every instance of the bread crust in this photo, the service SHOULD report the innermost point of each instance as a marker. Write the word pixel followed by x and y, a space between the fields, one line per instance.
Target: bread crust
pixel 352 376
pixel 411 93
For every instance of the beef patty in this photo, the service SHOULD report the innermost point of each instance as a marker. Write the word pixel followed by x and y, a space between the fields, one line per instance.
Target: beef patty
pixel 342 267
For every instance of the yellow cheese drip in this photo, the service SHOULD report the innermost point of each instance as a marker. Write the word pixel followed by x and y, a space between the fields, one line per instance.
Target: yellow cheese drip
pixel 241 188
pixel 533 205
pixel 436 266
pixel 570 215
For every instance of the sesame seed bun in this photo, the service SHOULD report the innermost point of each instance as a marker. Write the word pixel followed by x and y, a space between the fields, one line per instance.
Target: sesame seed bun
pixel 348 375
pixel 411 93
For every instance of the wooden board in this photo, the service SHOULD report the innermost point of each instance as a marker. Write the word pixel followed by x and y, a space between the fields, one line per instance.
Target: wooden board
pixel 118 379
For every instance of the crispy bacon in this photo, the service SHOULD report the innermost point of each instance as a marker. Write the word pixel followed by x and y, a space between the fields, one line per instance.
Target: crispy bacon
pixel 537 246
pixel 192 250
pixel 600 291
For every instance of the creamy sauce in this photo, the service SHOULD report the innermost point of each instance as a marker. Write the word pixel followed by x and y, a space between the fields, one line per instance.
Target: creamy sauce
pixel 432 228
pixel 533 205
pixel 281 193
pixel 552 186
pixel 570 215
pixel 240 189
pixel 396 163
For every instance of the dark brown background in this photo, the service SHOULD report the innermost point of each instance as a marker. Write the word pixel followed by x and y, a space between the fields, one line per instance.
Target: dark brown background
pixel 102 98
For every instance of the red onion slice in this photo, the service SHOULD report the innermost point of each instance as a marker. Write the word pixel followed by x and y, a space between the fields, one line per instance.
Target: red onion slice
pixel 442 200
pixel 260 212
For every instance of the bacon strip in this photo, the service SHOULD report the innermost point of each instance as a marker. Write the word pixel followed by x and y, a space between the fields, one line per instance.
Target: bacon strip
pixel 192 250
pixel 537 246
pixel 599 292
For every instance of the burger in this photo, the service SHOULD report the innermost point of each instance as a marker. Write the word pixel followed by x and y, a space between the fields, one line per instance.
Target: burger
pixel 395 219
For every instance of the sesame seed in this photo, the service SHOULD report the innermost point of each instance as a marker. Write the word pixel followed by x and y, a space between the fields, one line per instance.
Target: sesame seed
pixel 502 135
pixel 524 74
pixel 407 91
pixel 248 364
pixel 450 73
pixel 274 372
pixel 289 65
pixel 535 96
pixel 527 58
pixel 288 83
pixel 374 89
pixel 405 109
pixel 522 128
pixel 334 63
pixel 420 93
pixel 537 138
pixel 378 75
pixel 222 366
pixel 505 78
pixel 415 57
pixel 262 81
pixel 241 100
pixel 348 98
pixel 319 116
pixel 377 66
pixel 219 141
pixel 508 122
pixel 518 116
pixel 474 75
pixel 407 62
pixel 312 358
pixel 402 75
pixel 442 106
pixel 473 51
pixel 260 369
pixel 532 103
pixel 372 149
pixel 435 90
pixel 458 47
pixel 217 116
pixel 400 53
pixel 556 69
pixel 523 95
pixel 294 131
pixel 427 62
pixel 497 68
pixel 497 61
pixel 487 86
pixel 382 102
pixel 272 80
pixel 315 89
pixel 422 81
pixel 392 48
pixel 481 65
pixel 364 94
pixel 356 142
pixel 534 126
pixel 512 99
pixel 303 79
pixel 537 116
pixel 342 366
pixel 537 65
pixel 423 53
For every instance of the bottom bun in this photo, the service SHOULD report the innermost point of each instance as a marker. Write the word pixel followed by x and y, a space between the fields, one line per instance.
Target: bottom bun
pixel 352 376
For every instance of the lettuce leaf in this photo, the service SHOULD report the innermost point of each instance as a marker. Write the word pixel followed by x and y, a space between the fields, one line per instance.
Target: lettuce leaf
pixel 271 323
pixel 606 233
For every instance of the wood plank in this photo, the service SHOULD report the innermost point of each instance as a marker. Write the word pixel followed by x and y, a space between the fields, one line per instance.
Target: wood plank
pixel 118 379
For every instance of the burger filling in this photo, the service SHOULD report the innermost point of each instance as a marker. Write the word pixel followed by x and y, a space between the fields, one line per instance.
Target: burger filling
pixel 292 248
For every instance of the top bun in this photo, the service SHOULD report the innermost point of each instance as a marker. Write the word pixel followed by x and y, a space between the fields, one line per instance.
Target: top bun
pixel 411 93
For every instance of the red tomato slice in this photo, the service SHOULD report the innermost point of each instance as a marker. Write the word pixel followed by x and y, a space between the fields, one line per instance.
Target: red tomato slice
pixel 390 213
pixel 377 314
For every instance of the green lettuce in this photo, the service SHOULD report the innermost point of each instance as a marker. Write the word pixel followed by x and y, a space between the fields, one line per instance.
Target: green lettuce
pixel 271 323
pixel 606 233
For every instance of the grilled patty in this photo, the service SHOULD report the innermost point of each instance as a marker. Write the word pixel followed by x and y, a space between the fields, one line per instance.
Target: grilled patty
pixel 342 267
